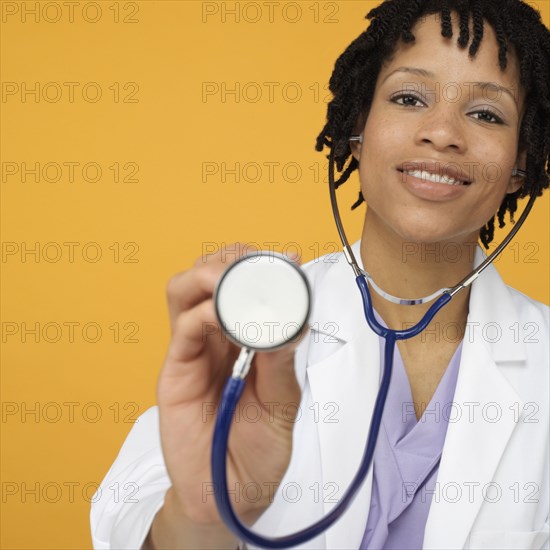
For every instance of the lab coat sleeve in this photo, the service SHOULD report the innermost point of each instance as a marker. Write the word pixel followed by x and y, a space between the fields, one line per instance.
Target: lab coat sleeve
pixel 133 490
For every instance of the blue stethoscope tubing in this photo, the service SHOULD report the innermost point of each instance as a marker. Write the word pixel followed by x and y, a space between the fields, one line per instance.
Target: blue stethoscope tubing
pixel 235 385
pixel 231 396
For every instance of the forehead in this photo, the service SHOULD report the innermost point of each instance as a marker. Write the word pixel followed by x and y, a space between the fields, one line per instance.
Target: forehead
pixel 448 62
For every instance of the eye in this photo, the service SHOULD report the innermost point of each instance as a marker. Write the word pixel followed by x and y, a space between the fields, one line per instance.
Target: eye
pixel 407 100
pixel 486 115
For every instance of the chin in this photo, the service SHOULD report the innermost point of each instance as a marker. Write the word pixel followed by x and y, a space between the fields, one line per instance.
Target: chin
pixel 432 235
pixel 419 233
pixel 420 227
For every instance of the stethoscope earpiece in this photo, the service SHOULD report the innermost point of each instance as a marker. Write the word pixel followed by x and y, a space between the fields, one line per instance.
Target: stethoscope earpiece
pixel 519 172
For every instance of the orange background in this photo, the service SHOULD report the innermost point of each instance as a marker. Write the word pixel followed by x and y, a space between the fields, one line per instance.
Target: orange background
pixel 102 327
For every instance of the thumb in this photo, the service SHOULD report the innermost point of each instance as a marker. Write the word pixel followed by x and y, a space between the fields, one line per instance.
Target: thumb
pixel 273 372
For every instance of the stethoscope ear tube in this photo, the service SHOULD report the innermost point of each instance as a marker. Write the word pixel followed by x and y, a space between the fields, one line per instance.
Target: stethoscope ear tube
pixel 468 280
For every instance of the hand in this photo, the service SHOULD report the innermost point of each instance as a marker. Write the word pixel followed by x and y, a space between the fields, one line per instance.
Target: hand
pixel 199 360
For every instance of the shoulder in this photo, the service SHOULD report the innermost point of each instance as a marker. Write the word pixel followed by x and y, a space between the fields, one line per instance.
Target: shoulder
pixel 529 331
pixel 530 309
pixel 318 268
pixel 530 327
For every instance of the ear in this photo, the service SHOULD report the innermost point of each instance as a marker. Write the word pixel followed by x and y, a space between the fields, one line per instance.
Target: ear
pixel 517 181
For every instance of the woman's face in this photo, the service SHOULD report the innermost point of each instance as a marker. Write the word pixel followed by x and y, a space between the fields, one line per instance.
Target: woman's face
pixel 441 138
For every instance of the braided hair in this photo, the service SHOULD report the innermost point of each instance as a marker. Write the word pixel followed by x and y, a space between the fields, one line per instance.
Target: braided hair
pixel 356 71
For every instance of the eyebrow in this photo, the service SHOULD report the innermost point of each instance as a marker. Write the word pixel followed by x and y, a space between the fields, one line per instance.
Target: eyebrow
pixel 428 74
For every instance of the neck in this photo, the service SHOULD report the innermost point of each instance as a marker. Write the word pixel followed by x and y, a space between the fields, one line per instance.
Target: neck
pixel 414 270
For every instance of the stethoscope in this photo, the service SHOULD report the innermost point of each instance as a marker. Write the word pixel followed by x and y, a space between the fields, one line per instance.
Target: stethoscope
pixel 262 302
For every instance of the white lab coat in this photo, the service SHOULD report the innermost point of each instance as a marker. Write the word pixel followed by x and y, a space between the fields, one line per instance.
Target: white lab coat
pixel 493 484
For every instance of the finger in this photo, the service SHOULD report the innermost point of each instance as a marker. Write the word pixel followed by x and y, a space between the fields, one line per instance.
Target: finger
pixel 196 363
pixel 192 329
pixel 274 373
pixel 187 289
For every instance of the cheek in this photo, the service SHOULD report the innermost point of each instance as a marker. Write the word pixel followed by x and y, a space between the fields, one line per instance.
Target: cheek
pixel 489 205
pixel 493 177
pixel 496 159
pixel 380 128
pixel 381 140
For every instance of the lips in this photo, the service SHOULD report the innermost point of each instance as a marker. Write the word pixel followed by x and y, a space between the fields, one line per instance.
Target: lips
pixel 432 182
pixel 435 172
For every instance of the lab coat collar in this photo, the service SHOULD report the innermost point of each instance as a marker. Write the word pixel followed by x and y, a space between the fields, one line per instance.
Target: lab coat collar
pixel 492 315
pixel 349 377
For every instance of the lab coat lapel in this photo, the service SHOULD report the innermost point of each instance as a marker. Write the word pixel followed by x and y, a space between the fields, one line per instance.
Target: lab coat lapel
pixel 348 379
pixel 486 403
pixel 473 447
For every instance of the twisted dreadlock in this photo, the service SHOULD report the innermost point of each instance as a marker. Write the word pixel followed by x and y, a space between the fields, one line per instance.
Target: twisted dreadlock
pixel 355 73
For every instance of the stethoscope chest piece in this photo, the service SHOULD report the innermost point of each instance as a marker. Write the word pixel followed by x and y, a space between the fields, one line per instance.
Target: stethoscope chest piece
pixel 262 301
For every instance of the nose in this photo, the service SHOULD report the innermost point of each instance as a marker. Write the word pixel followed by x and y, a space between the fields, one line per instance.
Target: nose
pixel 441 127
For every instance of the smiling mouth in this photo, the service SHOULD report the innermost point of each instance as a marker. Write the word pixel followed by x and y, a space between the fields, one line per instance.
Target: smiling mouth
pixel 435 178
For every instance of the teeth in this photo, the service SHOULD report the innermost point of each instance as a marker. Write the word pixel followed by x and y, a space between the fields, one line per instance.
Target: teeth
pixel 436 178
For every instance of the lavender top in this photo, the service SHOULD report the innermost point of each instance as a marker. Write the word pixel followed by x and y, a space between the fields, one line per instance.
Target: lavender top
pixel 406 460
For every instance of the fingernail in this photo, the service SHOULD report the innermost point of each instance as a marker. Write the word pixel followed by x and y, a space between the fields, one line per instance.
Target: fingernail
pixel 293 256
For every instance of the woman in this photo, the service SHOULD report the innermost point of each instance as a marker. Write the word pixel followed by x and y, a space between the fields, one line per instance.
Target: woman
pixel 429 114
